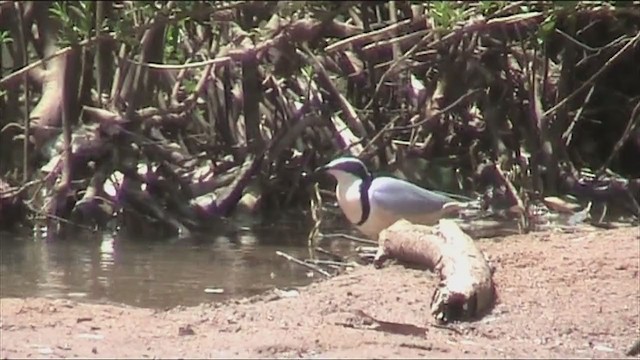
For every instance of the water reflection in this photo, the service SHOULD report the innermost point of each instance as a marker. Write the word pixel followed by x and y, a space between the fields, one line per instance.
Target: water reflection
pixel 152 272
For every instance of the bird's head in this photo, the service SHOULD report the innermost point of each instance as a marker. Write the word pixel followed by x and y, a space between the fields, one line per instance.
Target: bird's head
pixel 346 169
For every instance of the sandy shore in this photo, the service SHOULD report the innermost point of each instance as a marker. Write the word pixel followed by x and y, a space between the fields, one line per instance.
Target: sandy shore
pixel 561 295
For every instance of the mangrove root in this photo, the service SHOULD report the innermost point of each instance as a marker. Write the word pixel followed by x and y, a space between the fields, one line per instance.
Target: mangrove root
pixel 466 288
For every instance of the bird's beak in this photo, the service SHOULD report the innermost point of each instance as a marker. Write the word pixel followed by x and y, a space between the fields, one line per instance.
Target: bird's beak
pixel 320 170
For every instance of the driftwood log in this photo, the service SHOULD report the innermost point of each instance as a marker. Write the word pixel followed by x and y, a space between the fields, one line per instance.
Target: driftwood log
pixel 466 288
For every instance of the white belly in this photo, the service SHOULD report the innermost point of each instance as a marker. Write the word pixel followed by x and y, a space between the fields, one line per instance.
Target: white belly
pixel 350 204
pixel 378 220
pixel 349 201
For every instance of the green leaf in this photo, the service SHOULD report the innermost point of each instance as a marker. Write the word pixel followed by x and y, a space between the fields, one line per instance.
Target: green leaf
pixel 445 13
pixel 5 38
pixel 190 85
pixel 547 28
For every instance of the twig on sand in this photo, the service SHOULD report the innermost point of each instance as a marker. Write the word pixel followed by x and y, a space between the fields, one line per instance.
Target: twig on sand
pixel 350 237
pixel 331 263
pixel 302 263
pixel 330 254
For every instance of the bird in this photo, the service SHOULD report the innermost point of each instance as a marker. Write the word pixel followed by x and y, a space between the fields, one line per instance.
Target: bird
pixel 373 204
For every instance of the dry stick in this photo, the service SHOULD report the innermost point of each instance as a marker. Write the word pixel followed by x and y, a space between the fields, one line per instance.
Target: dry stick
pixel 355 18
pixel 11 125
pixel 633 121
pixel 113 35
pixel 302 263
pixel 371 35
pixel 623 39
pixel 395 42
pixel 55 217
pixel 536 94
pixel 329 253
pixel 62 186
pixel 388 126
pixel 350 237
pixel 439 112
pixel 16 191
pixel 35 64
pixel 422 41
pixel 371 72
pixel 135 85
pixel 411 65
pixel 567 135
pixel 518 207
pixel 119 78
pixel 393 16
pixel 350 114
pixel 380 133
pixel 459 31
pixel 316 213
pixel 200 86
pixel 399 60
pixel 592 79
pixel 506 9
pixel 99 57
pixel 585 46
pixel 329 262
pixel 367 249
pixel 216 61
pixel 251 99
pixel 25 81
pixel 176 87
pixel 40 184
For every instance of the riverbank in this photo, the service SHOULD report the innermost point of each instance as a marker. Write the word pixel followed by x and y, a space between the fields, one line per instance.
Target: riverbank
pixel 561 295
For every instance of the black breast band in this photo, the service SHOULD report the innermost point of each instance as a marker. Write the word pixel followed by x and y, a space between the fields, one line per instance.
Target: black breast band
pixel 364 199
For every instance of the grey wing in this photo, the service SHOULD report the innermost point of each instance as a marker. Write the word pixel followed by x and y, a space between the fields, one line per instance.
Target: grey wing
pixel 402 197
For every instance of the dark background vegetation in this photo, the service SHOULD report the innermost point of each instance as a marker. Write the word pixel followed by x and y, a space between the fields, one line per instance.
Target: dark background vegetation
pixel 170 115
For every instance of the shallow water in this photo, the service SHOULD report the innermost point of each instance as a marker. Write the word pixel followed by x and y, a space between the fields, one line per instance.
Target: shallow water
pixel 155 273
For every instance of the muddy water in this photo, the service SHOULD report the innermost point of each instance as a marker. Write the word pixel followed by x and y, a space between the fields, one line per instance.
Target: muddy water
pixel 155 273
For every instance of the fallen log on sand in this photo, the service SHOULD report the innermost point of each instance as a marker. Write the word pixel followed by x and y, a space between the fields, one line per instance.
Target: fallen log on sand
pixel 466 288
